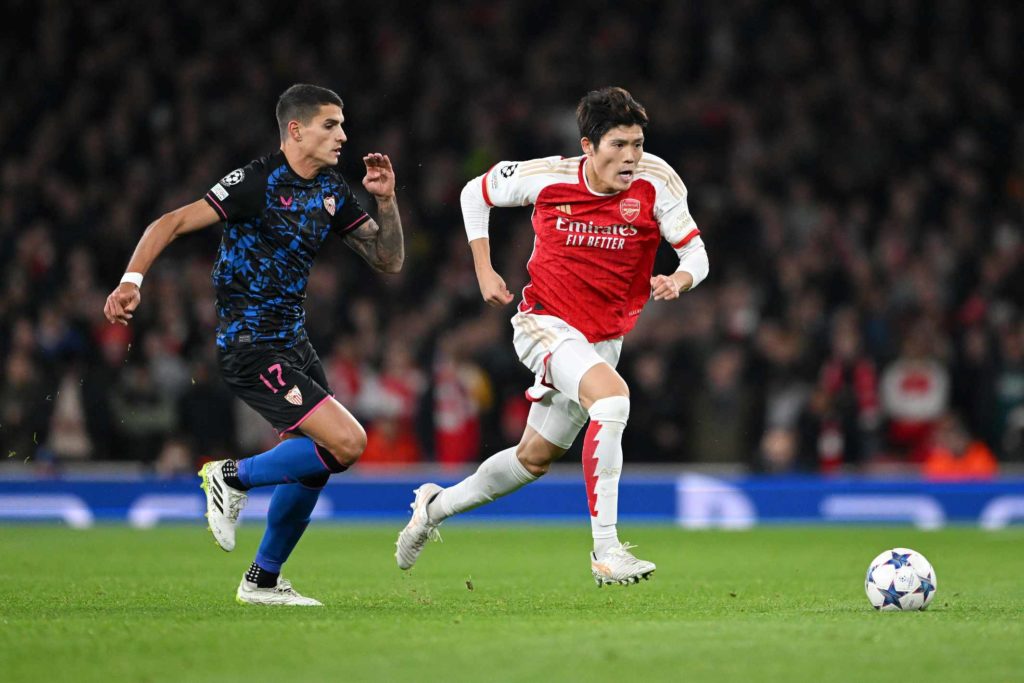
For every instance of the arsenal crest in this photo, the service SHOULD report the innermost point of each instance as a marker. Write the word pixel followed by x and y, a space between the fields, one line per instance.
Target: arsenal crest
pixel 329 205
pixel 630 209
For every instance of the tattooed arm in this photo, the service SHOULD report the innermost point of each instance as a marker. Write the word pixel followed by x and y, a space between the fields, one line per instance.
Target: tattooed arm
pixel 381 244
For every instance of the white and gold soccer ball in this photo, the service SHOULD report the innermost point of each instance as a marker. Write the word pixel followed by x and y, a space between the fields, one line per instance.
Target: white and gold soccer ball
pixel 900 579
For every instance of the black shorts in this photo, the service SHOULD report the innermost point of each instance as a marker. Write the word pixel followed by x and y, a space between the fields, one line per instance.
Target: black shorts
pixel 285 386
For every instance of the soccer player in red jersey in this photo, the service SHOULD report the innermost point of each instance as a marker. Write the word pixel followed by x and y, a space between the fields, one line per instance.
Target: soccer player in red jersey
pixel 598 220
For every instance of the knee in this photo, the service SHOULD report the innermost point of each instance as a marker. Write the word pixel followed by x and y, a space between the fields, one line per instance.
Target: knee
pixel 613 408
pixel 601 381
pixel 537 469
pixel 536 455
pixel 347 444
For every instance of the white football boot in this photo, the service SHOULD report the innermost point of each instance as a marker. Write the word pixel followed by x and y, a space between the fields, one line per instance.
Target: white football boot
pixel 618 565
pixel 223 504
pixel 419 529
pixel 281 594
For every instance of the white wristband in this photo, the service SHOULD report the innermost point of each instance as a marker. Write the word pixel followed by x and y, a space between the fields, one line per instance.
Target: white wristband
pixel 134 278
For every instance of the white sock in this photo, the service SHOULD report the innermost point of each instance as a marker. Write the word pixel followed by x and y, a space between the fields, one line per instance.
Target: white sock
pixel 602 467
pixel 603 545
pixel 499 475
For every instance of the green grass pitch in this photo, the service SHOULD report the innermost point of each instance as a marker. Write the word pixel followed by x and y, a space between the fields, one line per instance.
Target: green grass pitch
pixel 775 604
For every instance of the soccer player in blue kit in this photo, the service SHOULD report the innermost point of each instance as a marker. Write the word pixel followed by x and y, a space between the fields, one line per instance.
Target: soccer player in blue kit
pixel 277 212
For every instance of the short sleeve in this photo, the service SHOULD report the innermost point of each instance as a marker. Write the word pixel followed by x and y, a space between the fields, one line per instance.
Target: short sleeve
pixel 671 209
pixel 349 215
pixel 241 193
pixel 677 225
pixel 517 183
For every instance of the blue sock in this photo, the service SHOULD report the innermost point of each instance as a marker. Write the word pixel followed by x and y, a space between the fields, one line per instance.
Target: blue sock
pixel 285 463
pixel 288 516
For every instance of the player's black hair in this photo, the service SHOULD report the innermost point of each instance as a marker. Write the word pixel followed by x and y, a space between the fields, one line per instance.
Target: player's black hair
pixel 301 102
pixel 601 110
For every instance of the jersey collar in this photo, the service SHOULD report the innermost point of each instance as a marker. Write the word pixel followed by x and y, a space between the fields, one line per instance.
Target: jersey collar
pixel 298 178
pixel 586 183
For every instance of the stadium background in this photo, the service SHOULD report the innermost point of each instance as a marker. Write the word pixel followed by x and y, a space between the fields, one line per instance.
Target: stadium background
pixel 857 170
pixel 857 173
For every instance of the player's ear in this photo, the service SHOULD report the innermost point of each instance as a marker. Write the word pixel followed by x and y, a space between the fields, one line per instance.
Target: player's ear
pixel 295 130
pixel 588 148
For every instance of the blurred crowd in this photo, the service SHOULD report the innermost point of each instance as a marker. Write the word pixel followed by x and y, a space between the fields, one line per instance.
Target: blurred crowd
pixel 857 172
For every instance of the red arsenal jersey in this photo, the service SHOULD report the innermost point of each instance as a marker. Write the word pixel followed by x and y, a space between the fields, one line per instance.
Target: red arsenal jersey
pixel 593 254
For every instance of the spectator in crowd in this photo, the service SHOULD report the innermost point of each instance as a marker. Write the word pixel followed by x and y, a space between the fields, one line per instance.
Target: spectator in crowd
pixel 723 411
pixel 146 413
pixel 206 423
pixel 781 393
pixel 656 430
pixel 24 408
pixel 460 392
pixel 1009 393
pixel 915 395
pixel 954 456
pixel 973 374
pixel 390 400
pixel 849 379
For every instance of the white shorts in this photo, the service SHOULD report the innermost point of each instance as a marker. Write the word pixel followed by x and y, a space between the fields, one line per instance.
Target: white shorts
pixel 559 355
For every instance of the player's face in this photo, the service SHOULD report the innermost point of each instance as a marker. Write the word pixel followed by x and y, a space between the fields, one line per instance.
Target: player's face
pixel 323 137
pixel 612 162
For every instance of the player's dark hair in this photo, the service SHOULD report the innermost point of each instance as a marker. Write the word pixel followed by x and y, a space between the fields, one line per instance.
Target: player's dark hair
pixel 601 110
pixel 301 102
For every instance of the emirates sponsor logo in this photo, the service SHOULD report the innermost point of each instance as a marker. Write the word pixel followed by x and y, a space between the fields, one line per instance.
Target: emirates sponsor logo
pixel 630 209
pixel 587 234
pixel 588 228
pixel 330 206
pixel 294 396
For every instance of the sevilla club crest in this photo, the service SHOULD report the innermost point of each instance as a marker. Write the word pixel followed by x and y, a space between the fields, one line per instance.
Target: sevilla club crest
pixel 630 209
pixel 329 205
pixel 294 396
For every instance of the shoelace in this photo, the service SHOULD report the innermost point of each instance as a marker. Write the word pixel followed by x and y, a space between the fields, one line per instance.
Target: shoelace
pixel 623 552
pixel 432 535
pixel 432 532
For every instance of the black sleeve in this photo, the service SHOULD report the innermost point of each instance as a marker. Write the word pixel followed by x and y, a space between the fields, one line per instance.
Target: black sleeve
pixel 241 193
pixel 349 215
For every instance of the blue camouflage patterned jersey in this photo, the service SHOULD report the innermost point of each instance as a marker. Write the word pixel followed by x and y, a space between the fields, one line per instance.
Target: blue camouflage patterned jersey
pixel 275 222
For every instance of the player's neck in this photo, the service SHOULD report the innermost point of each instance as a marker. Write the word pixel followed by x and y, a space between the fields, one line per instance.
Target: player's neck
pixel 303 166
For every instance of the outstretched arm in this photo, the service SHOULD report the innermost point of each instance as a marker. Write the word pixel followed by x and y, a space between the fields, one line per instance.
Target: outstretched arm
pixel 125 298
pixel 380 243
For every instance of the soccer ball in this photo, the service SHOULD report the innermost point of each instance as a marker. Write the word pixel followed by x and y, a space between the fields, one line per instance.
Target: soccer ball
pixel 900 579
